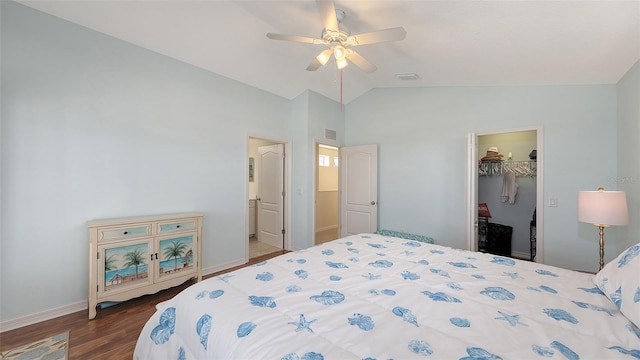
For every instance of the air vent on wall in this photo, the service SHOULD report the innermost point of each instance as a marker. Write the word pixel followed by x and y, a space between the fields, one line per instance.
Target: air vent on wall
pixel 329 134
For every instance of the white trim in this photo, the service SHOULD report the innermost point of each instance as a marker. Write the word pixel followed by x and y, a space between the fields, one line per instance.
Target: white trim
pixel 43 315
pixel 331 147
pixel 226 266
pixel 471 192
pixel 540 196
pixel 49 314
pixel 328 227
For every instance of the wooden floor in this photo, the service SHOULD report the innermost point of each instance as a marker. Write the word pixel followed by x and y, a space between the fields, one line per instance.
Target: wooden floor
pixel 112 334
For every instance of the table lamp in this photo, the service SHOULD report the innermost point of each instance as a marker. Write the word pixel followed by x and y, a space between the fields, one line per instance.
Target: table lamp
pixel 602 209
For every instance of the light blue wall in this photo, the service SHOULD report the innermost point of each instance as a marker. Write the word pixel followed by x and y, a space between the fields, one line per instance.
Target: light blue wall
pixel 421 137
pixel 93 127
pixel 628 178
pixel 314 114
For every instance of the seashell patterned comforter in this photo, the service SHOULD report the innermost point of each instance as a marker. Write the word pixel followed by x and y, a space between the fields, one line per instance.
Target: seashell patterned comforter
pixel 378 297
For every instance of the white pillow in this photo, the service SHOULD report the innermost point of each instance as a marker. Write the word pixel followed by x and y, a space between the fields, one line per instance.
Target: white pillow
pixel 619 280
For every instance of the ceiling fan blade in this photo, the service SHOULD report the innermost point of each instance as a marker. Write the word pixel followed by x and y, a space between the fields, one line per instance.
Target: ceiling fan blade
pixel 300 39
pixel 328 14
pixel 315 65
pixel 393 34
pixel 360 62
pixel 320 60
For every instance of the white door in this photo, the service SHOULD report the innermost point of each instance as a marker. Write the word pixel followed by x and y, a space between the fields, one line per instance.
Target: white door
pixel 271 195
pixel 472 192
pixel 358 189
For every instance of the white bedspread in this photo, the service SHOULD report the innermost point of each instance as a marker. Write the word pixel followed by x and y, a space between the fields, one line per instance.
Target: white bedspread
pixel 374 297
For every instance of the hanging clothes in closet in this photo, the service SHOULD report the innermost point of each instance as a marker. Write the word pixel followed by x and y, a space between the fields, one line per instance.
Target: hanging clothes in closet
pixel 509 188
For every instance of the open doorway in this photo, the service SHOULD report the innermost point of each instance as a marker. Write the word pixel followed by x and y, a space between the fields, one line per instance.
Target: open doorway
pixel 504 175
pixel 327 202
pixel 267 204
pixel 507 189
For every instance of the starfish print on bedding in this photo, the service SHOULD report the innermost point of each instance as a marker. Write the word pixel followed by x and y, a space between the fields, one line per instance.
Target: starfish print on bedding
pixel 303 323
pixel 513 320
pixel 225 277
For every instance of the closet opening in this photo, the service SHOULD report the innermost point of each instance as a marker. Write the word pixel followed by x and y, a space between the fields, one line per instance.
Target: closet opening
pixel 505 193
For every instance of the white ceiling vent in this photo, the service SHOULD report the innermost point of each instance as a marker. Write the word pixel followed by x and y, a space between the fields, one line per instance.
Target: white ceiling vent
pixel 408 76
pixel 329 134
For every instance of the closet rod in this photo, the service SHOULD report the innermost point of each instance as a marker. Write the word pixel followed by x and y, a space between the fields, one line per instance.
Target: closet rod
pixel 519 168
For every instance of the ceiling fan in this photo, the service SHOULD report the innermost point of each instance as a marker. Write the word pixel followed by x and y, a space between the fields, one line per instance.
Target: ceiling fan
pixel 339 42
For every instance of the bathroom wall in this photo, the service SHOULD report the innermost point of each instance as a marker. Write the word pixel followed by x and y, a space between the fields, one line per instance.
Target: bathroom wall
pixel 327 190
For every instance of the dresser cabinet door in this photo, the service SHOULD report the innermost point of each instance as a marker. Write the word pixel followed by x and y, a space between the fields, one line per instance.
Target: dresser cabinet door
pixel 177 256
pixel 124 265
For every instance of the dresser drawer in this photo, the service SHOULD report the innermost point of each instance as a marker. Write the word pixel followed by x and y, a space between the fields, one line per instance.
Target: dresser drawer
pixel 182 225
pixel 105 234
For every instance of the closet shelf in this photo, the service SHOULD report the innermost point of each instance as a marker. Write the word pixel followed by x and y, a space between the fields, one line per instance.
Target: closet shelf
pixel 497 168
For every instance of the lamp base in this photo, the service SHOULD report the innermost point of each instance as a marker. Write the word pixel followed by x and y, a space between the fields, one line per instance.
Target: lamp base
pixel 601 227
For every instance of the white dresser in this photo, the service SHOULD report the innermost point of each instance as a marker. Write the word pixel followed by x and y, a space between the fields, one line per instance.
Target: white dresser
pixel 130 257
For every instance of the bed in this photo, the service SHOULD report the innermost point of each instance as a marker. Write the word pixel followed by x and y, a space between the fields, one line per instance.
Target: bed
pixel 372 296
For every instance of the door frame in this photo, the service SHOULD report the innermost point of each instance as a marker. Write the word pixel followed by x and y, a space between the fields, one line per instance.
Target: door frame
pixel 287 186
pixel 471 188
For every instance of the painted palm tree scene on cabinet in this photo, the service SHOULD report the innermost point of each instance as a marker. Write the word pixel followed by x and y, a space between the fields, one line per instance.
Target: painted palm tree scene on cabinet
pixel 130 264
pixel 177 255
pixel 124 265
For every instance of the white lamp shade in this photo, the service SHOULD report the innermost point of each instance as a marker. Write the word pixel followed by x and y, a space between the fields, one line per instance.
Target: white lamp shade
pixel 603 207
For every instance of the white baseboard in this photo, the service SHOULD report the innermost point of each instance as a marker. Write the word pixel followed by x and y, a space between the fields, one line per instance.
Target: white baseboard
pixel 325 228
pixel 30 319
pixel 221 267
pixel 43 315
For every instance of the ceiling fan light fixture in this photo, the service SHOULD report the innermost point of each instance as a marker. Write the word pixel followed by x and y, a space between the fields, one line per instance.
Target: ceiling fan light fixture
pixel 336 38
pixel 324 57
pixel 339 52
pixel 341 63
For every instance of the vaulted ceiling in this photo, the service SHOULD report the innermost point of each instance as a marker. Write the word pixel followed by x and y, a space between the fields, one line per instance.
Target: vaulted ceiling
pixel 448 43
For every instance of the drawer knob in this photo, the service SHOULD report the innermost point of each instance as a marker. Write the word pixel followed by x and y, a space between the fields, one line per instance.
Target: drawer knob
pixel 126 232
pixel 177 226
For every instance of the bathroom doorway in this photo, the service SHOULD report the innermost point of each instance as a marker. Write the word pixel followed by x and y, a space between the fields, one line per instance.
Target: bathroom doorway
pixel 327 204
pixel 267 202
